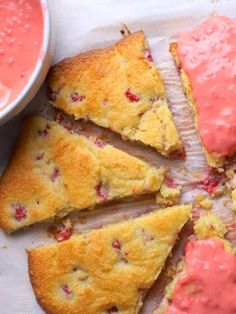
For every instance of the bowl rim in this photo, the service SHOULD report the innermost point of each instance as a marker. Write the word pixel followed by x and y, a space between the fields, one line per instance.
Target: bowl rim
pixel 44 49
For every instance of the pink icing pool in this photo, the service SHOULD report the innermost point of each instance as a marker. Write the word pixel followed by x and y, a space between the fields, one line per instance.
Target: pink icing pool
pixel 24 52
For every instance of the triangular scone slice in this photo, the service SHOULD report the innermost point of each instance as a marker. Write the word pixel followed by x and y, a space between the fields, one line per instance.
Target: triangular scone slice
pixel 53 172
pixel 108 270
pixel 118 88
pixel 206 254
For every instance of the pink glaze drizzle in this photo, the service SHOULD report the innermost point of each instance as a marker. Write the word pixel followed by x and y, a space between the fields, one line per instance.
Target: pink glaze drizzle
pixel 21 35
pixel 209 284
pixel 208 55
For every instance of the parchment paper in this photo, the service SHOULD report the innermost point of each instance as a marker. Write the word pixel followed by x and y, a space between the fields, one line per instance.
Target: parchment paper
pixel 87 24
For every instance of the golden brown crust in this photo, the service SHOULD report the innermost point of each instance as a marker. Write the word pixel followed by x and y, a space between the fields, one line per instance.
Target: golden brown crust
pixel 105 268
pixel 52 172
pixel 117 88
pixel 211 160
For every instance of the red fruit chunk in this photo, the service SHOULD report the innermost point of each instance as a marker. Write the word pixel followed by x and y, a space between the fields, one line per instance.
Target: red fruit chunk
pixel 116 245
pixel 113 310
pixel 132 97
pixel 134 189
pixel 102 192
pixel 44 132
pixel 181 154
pixel 64 234
pixel 75 97
pixel 105 102
pixel 67 290
pixel 99 142
pixel 148 56
pixel 40 156
pixel 55 175
pixel 59 117
pixel 170 182
pixel 210 184
pixel 20 212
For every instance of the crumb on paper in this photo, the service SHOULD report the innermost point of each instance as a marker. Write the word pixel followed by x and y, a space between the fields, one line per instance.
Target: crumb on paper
pixel 210 225
pixel 225 202
pixel 220 170
pixel 229 173
pixel 4 246
pixel 197 175
pixel 182 170
pixel 62 231
pixel 203 201
pixel 175 268
pixel 168 195
pixel 206 203
pixel 82 220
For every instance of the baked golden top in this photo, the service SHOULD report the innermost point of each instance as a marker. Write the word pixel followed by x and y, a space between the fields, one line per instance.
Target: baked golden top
pixel 53 172
pixel 118 88
pixel 106 270
pixel 212 160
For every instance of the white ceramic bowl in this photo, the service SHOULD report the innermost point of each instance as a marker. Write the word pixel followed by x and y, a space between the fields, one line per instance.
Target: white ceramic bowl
pixel 39 73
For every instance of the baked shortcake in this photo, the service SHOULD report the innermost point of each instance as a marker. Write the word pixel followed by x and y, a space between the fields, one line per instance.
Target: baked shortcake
pixel 53 172
pixel 106 271
pixel 119 88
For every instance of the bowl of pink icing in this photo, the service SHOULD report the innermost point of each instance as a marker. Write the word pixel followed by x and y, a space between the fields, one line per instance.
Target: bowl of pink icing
pixel 25 53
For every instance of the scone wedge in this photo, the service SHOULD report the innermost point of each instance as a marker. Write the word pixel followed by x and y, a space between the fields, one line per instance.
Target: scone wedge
pixel 118 88
pixel 53 172
pixel 108 270
pixel 204 280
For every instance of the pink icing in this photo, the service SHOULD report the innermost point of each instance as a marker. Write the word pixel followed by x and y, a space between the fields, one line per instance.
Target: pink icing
pixel 209 284
pixel 21 35
pixel 208 55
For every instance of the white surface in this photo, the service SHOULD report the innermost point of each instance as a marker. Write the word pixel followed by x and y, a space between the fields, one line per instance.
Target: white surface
pixel 88 24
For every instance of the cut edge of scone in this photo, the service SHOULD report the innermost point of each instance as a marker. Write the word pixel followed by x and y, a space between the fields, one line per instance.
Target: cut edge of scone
pixel 212 161
pixel 53 172
pixel 138 114
pixel 101 264
pixel 208 226
pixel 233 197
